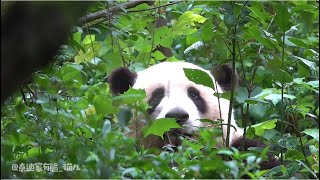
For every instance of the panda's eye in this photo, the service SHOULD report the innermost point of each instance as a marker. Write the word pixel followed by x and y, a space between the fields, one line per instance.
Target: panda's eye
pixel 155 99
pixel 193 93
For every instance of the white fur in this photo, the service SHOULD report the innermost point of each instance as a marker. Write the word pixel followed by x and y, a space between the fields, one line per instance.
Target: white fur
pixel 170 75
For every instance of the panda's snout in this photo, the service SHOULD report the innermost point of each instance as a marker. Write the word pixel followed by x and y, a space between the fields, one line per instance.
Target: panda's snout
pixel 179 114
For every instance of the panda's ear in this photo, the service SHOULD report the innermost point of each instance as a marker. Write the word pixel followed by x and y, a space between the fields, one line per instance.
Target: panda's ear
pixel 121 79
pixel 223 74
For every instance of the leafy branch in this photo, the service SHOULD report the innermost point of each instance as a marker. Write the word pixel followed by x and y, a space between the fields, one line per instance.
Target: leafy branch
pixel 105 13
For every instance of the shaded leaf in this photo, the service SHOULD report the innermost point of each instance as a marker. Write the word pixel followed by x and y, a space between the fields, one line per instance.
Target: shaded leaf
pixel 199 77
pixel 313 133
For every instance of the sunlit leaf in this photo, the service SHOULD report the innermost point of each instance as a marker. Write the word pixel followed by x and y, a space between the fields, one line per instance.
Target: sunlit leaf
pixel 261 127
pixel 186 22
pixel 160 126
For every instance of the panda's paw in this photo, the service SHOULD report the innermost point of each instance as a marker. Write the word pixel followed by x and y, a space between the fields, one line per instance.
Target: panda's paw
pixel 272 160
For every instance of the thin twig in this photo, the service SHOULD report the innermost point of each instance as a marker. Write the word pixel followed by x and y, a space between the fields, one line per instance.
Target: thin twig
pixel 300 140
pixel 220 113
pixel 262 46
pixel 228 47
pixel 105 13
pixel 91 42
pixel 261 81
pixel 152 37
pixel 232 84
pixel 120 53
pixel 282 88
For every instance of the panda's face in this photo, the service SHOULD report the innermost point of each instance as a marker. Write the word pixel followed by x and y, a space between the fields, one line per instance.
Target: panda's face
pixel 171 94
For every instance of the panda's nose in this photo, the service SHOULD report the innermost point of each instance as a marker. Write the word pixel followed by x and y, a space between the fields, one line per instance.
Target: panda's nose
pixel 180 115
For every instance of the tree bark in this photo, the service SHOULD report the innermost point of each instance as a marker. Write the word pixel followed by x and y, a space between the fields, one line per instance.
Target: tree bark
pixel 31 34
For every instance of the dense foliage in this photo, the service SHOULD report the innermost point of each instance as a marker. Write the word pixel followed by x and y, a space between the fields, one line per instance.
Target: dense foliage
pixel 66 120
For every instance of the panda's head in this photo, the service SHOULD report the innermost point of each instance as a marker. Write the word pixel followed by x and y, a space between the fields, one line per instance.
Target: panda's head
pixel 170 94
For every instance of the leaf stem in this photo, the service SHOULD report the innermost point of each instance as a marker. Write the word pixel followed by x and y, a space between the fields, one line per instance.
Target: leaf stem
pixel 282 89
pixel 232 84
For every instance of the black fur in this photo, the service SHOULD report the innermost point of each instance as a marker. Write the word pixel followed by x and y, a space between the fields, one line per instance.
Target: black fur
pixel 223 75
pixel 272 160
pixel 120 80
pixel 195 96
pixel 156 97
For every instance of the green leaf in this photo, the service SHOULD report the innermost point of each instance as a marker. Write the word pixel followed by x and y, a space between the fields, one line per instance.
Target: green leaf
pixel 132 171
pixel 77 45
pixel 199 77
pixel 143 45
pixel 88 39
pixel 225 152
pixel 256 33
pixel 77 36
pixel 158 55
pixel 310 171
pixel 80 57
pixel 163 36
pixel 282 16
pixel 186 23
pixel 298 42
pixel 226 95
pixel 130 97
pixel 229 20
pixel 310 53
pixel 313 133
pixel 234 169
pixel 113 59
pixel 251 101
pixel 294 155
pixel 43 81
pixel 276 98
pixel 259 12
pixel 282 76
pixel 288 142
pixel 124 116
pixel 293 168
pixel 18 139
pixel 103 105
pixel 207 32
pixel 32 153
pixel 106 128
pixel 304 7
pixel 261 127
pixel 160 126
pixel 310 64
pixel 315 167
pixel 72 73
pixel 93 157
pixel 313 83
pixel 42 99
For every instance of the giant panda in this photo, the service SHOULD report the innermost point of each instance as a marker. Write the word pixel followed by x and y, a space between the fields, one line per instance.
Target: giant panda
pixel 170 94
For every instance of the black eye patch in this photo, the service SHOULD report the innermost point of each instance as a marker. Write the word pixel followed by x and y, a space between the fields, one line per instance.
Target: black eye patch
pixel 194 95
pixel 156 97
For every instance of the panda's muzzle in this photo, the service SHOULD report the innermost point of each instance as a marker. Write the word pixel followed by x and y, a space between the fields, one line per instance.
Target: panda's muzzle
pixel 180 115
